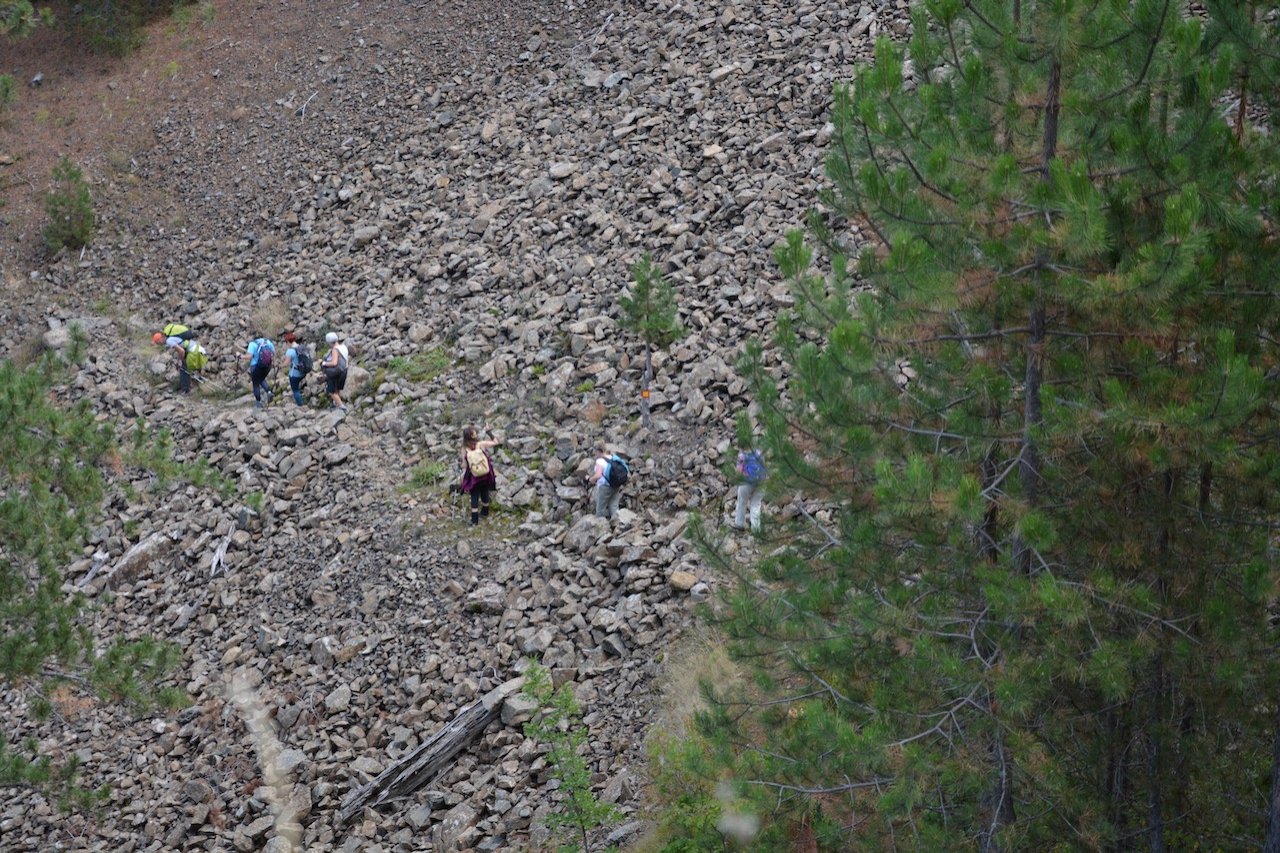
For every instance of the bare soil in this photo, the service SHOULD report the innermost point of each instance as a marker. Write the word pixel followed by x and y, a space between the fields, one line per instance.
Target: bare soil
pixel 211 65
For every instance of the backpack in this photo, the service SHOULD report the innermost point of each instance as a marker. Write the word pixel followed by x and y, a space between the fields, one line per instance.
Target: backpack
pixel 266 352
pixel 617 473
pixel 752 466
pixel 177 330
pixel 302 359
pixel 334 370
pixel 197 358
pixel 478 462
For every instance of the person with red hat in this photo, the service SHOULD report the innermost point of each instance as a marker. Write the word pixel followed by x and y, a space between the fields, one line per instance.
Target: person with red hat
pixel 188 355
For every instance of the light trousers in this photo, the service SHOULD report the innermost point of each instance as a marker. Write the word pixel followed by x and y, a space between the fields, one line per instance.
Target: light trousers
pixel 607 498
pixel 749 494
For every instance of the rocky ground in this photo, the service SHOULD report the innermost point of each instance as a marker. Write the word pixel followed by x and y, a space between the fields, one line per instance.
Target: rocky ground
pixel 460 189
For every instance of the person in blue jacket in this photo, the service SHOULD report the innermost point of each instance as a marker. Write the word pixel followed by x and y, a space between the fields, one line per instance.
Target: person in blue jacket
pixel 261 355
pixel 298 356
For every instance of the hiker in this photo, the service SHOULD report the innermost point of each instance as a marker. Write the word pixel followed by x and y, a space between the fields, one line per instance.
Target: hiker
pixel 335 369
pixel 300 361
pixel 261 354
pixel 609 474
pixel 478 478
pixel 189 357
pixel 750 466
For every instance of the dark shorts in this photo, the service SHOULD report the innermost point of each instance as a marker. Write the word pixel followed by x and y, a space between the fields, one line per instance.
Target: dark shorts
pixel 334 384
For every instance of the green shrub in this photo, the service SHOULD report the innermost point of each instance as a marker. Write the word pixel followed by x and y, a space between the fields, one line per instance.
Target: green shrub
pixel 425 475
pixel 114 27
pixel 8 90
pixel 689 814
pixel 18 18
pixel 420 367
pixel 70 209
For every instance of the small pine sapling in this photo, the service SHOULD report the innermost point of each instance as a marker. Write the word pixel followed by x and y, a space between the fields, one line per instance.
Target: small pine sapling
pixel 558 724
pixel 70 209
pixel 650 311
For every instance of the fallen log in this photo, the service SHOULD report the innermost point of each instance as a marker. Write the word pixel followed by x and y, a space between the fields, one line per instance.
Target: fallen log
pixel 414 769
pixel 156 546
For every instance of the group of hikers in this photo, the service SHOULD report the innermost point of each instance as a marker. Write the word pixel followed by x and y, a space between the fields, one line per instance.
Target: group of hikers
pixel 610 473
pixel 190 358
pixel 607 475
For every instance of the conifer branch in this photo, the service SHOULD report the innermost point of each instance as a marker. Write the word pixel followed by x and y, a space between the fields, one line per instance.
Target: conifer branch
pixel 832 541
pixel 877 782
pixel 977 13
pixel 967 337
pixel 910 162
pixel 941 434
pixel 1096 596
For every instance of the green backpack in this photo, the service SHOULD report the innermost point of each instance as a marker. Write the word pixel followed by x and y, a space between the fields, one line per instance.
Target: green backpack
pixel 197 358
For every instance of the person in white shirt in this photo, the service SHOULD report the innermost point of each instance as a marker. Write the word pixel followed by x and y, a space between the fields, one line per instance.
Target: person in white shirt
pixel 607 496
pixel 335 369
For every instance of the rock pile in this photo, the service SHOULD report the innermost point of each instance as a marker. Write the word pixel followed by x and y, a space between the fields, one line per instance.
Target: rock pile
pixel 470 232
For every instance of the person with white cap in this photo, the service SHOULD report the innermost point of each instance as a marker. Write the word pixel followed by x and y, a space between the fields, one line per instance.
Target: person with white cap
pixel 335 369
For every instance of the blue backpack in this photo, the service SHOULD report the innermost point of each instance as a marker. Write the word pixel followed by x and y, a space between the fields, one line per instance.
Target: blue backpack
pixel 752 467
pixel 617 473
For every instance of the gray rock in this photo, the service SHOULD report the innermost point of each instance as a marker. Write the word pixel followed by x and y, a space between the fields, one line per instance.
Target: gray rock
pixel 467 217
pixel 560 171
pixel 518 709
pixel 586 532
pixel 339 700
pixel 457 821
pixel 365 234
pixel 290 760
pixel 57 338
pixel 418 817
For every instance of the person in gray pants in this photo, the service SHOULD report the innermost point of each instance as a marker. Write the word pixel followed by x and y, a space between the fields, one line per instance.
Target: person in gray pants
pixel 607 496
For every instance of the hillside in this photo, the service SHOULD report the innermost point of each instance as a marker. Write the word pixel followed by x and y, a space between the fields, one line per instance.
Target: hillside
pixel 460 190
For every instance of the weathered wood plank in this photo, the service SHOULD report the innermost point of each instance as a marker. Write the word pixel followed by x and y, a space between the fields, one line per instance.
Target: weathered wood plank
pixel 414 769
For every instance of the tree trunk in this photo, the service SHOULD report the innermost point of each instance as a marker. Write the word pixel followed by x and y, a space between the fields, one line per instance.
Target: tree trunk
pixel 1242 110
pixel 1033 417
pixel 1033 414
pixel 1116 784
pixel 1155 762
pixel 998 801
pixel 1272 842
pixel 987 542
pixel 645 420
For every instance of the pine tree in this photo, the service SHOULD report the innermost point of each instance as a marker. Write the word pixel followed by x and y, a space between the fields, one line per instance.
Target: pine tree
pixel 51 489
pixel 650 311
pixel 1035 421
pixel 18 18
pixel 70 209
